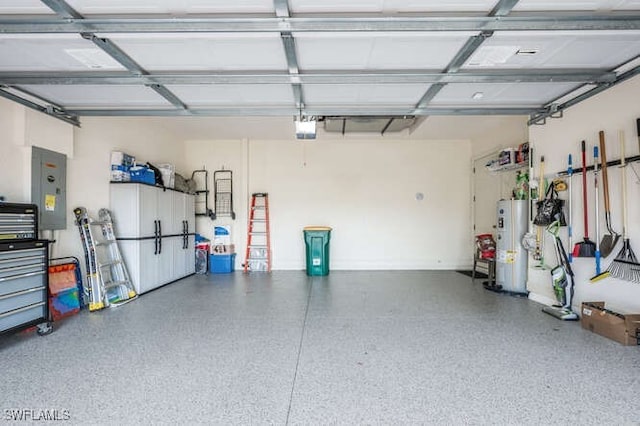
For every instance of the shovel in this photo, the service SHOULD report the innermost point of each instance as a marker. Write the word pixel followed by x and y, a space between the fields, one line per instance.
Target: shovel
pixel 609 240
pixel 586 248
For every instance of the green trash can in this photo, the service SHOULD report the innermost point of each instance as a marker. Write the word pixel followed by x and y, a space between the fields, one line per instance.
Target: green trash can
pixel 317 239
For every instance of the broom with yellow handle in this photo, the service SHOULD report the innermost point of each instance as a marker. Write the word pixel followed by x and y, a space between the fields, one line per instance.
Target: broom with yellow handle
pixel 625 266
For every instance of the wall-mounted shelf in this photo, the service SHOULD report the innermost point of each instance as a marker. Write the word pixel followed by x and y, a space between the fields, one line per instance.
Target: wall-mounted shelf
pixel 510 159
pixel 508 167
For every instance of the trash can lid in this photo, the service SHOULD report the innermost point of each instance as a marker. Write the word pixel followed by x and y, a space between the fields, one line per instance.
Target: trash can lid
pixel 317 228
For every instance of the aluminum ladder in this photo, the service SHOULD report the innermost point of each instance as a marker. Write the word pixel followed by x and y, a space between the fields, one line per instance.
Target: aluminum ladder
pixel 108 283
pixel 258 253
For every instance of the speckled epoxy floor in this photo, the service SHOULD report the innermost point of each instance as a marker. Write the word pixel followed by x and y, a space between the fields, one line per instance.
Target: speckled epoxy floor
pixel 387 347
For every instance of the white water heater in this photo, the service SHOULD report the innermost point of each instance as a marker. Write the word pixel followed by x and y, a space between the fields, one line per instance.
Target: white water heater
pixel 511 256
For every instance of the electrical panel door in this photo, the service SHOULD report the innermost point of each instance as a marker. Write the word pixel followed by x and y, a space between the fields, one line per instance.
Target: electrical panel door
pixel 49 187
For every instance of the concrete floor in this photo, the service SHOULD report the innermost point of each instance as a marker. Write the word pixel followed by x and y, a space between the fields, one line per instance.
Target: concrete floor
pixel 396 347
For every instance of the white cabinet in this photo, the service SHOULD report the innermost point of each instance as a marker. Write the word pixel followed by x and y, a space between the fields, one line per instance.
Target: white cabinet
pixel 155 229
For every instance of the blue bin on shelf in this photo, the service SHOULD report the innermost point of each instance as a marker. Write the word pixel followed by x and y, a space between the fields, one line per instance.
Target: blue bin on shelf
pixel 222 263
pixel 142 174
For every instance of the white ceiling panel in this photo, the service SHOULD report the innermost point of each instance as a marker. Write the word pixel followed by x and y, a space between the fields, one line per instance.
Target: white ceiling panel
pixel 24 7
pixel 377 51
pixel 555 50
pixel 390 6
pixel 100 96
pixel 173 7
pixel 204 51
pixel 234 95
pixel 508 94
pixel 364 94
pixel 575 5
pixel 52 52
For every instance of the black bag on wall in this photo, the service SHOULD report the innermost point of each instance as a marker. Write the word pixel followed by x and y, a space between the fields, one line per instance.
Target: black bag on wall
pixel 550 209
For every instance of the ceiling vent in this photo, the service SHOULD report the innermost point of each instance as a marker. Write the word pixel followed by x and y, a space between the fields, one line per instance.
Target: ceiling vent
pixel 357 124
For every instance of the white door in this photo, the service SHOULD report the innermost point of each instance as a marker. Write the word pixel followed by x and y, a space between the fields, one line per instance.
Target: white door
pixel 488 189
pixel 486 193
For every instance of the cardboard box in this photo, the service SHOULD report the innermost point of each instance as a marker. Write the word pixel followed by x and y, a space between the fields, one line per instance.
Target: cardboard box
pixel 223 249
pixel 119 158
pixel 623 328
pixel 222 235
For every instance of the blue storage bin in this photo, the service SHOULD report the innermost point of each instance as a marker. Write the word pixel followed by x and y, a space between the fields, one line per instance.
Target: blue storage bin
pixel 222 263
pixel 142 174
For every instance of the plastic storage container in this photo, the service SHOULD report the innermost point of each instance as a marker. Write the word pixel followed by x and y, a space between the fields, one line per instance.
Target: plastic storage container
pixel 142 174
pixel 222 263
pixel 317 247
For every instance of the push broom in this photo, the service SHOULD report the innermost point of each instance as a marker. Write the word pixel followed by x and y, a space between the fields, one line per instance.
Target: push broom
pixel 625 266
pixel 585 248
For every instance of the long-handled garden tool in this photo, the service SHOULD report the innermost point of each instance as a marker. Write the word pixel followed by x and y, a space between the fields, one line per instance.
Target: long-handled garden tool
pixel 585 248
pixel 609 240
pixel 529 238
pixel 638 131
pixel 625 266
pixel 599 274
pixel 539 251
pixel 570 218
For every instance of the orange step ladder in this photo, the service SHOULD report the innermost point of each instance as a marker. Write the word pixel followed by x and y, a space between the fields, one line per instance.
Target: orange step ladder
pixel 258 253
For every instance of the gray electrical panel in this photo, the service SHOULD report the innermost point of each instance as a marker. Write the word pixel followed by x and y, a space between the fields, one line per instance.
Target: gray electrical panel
pixel 49 187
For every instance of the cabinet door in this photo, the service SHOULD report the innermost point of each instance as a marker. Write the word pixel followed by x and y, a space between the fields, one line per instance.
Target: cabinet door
pixel 149 266
pixel 190 256
pixel 178 212
pixel 178 259
pixel 164 211
pixel 190 212
pixel 125 211
pixel 148 207
pixel 165 260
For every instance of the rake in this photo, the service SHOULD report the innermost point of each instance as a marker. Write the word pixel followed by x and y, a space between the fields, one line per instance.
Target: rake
pixel 625 266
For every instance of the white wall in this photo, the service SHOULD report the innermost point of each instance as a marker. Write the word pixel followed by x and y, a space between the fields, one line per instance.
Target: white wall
pixel 613 110
pixel 13 161
pixel 88 156
pixel 88 171
pixel 363 187
pixel 22 129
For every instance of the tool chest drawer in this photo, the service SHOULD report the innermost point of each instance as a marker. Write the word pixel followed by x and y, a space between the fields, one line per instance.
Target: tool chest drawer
pixel 23 283
pixel 18 221
pixel 26 315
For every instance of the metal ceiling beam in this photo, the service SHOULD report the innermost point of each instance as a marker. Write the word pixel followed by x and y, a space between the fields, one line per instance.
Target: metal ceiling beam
pixel 282 8
pixel 469 48
pixel 501 9
pixel 431 93
pixel 49 109
pixel 554 110
pixel 324 77
pixel 111 49
pixel 62 9
pixel 613 22
pixel 115 52
pixel 269 110
pixel 289 44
